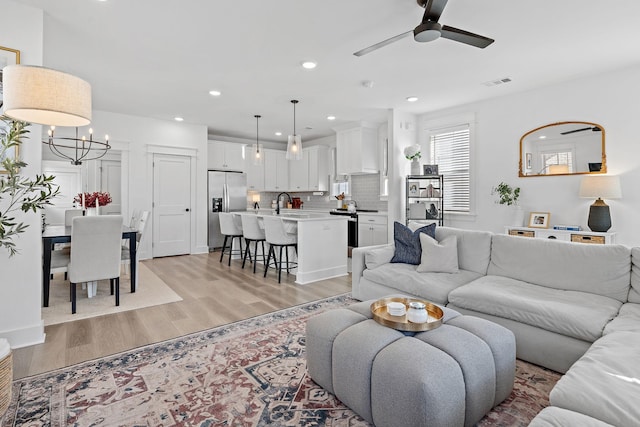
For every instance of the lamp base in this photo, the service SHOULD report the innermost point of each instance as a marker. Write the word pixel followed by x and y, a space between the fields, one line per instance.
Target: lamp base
pixel 599 216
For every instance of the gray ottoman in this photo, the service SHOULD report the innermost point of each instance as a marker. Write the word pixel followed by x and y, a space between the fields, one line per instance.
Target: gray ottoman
pixel 449 376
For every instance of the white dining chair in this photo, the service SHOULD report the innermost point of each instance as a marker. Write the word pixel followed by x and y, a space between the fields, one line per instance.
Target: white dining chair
pixel 252 232
pixel 278 236
pixel 95 253
pixel 69 214
pixel 140 226
pixel 230 227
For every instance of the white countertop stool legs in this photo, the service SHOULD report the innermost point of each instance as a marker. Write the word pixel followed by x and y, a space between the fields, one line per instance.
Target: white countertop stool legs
pixel 230 227
pixel 278 237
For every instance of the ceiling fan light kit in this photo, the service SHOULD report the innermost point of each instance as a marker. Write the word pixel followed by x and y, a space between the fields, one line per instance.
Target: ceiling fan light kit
pixel 430 29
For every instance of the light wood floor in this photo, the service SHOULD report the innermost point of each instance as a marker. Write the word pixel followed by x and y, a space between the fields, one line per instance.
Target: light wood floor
pixel 213 294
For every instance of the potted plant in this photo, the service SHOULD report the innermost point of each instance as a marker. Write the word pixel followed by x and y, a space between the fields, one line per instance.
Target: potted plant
pixel 18 193
pixel 508 195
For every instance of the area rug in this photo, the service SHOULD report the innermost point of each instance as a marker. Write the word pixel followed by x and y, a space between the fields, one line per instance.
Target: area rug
pixel 248 373
pixel 151 290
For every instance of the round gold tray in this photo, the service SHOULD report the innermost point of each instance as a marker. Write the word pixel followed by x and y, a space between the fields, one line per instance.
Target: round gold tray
pixel 380 315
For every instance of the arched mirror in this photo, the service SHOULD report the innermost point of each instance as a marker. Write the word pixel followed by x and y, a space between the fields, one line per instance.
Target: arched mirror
pixel 565 148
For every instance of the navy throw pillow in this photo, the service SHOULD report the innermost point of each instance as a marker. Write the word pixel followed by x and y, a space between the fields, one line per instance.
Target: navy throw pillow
pixel 408 249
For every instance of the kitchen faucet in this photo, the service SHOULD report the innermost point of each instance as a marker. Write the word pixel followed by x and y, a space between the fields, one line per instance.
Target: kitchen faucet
pixel 278 201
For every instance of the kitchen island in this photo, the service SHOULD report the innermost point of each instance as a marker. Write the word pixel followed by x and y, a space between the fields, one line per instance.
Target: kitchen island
pixel 322 243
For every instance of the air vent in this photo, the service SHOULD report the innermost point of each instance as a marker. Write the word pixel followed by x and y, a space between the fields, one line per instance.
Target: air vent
pixel 497 82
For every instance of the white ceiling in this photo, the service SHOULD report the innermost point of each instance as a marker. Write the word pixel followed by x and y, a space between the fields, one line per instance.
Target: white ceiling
pixel 160 58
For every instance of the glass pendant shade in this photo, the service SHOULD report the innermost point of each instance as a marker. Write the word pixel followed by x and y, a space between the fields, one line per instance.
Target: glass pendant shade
pixel 294 148
pixel 294 143
pixel 258 149
pixel 45 96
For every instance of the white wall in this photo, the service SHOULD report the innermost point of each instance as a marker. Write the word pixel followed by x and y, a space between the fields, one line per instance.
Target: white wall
pixel 611 100
pixel 21 275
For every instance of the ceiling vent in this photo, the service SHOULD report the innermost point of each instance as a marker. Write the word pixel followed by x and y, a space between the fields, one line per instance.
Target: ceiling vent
pixel 497 82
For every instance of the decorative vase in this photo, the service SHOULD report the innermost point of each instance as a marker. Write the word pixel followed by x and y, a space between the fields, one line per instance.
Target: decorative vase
pixel 517 216
pixel 415 167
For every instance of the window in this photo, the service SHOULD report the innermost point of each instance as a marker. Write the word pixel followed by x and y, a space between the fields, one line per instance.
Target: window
pixel 449 148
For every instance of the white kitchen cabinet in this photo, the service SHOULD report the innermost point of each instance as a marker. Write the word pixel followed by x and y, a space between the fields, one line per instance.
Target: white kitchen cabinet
pixel 255 173
pixel 357 150
pixel 225 156
pixel 318 168
pixel 276 171
pixel 299 173
pixel 372 230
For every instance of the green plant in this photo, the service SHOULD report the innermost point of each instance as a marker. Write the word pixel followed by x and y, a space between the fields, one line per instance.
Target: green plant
pixel 18 192
pixel 508 195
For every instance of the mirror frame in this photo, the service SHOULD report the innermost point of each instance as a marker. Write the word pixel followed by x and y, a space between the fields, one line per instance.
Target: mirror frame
pixel 603 168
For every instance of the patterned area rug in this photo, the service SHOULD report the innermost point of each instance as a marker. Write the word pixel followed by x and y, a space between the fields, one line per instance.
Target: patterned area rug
pixel 249 373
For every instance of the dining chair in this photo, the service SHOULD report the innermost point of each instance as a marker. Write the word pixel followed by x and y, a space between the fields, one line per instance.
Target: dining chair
pixel 69 214
pixel 230 228
pixel 95 253
pixel 140 226
pixel 278 236
pixel 252 232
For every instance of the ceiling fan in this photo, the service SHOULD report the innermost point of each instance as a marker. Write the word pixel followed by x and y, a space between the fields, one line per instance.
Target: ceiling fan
pixel 429 30
pixel 594 129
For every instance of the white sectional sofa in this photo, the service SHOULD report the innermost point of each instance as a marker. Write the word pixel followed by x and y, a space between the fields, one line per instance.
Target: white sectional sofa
pixel 573 307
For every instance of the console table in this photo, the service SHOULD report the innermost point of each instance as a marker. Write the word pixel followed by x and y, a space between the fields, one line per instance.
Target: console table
pixel 564 235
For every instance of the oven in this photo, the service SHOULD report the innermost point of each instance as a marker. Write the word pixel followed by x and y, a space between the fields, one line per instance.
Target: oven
pixel 352 226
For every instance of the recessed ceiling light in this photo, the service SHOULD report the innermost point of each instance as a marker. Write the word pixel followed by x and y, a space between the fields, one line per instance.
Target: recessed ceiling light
pixel 178 119
pixel 278 133
pixel 331 117
pixel 412 98
pixel 309 65
pixel 215 93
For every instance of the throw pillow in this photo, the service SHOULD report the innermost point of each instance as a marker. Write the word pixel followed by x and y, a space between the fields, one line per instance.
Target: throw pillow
pixel 407 242
pixel 376 257
pixel 438 257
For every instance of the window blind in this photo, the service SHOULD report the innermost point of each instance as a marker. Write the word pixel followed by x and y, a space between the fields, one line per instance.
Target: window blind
pixel 450 150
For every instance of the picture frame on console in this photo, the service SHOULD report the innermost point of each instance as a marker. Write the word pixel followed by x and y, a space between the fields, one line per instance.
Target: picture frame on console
pixel 539 219
pixel 430 169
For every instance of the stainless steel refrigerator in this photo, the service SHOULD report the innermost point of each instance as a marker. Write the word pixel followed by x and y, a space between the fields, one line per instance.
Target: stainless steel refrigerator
pixel 227 193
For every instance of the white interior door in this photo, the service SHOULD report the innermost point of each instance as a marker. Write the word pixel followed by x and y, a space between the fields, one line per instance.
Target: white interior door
pixel 110 181
pixel 171 205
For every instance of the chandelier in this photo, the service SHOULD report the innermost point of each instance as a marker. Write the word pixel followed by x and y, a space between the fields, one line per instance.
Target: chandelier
pixel 77 149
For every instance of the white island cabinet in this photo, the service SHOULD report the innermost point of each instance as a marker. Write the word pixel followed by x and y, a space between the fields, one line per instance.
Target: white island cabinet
pixel 322 243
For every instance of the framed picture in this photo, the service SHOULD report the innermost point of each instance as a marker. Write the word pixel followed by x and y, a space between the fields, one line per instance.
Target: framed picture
pixel 414 188
pixel 8 56
pixel 539 219
pixel 430 169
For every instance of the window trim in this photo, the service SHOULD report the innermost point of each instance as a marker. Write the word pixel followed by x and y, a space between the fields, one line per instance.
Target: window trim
pixel 431 125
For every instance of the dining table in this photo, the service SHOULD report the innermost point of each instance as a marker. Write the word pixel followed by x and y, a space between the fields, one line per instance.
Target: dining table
pixel 53 234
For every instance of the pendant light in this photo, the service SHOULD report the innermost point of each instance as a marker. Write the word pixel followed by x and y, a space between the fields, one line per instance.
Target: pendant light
pixel 258 152
pixel 294 143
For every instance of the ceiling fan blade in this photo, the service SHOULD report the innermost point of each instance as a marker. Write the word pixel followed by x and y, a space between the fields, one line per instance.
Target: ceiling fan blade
pixel 382 43
pixel 433 9
pixel 465 37
pixel 577 130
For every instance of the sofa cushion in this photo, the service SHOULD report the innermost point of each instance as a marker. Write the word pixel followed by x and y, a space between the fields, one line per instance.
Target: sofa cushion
pixel 552 416
pixel 474 247
pixel 598 269
pixel 634 292
pixel 407 243
pixel 576 314
pixel 628 319
pixel 604 383
pixel 376 257
pixel 434 287
pixel 438 257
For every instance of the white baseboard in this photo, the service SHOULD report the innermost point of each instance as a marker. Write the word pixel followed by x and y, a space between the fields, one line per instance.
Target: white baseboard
pixel 25 337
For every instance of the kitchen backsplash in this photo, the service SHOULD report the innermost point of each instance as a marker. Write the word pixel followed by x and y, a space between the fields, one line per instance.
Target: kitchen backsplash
pixel 365 190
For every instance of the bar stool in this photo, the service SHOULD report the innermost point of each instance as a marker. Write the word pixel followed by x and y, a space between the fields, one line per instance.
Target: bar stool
pixel 230 228
pixel 252 233
pixel 278 237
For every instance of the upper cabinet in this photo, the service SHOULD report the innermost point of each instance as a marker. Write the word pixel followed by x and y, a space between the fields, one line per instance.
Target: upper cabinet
pixel 255 173
pixel 299 173
pixel 225 156
pixel 565 148
pixel 312 172
pixel 276 170
pixel 357 149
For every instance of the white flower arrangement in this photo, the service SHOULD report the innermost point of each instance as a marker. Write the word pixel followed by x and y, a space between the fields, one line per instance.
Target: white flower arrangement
pixel 412 152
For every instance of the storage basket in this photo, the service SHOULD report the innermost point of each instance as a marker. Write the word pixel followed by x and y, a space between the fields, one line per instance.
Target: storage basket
pixel 6 377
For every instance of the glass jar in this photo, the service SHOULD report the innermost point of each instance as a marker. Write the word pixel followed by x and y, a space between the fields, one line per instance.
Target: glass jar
pixel 417 312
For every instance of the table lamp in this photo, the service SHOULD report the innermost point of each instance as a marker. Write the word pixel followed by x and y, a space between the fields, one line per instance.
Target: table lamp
pixel 255 199
pixel 601 187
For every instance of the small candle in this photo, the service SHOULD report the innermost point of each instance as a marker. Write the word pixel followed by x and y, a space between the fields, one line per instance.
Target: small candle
pixel 83 204
pixel 97 206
